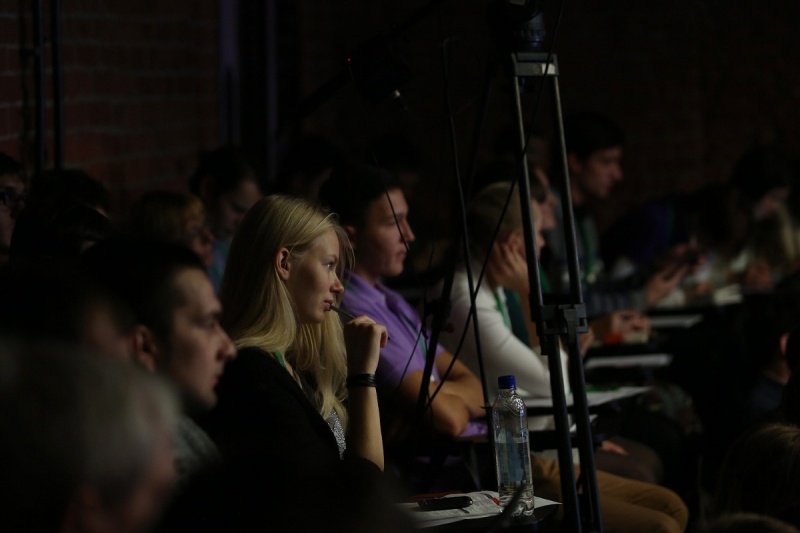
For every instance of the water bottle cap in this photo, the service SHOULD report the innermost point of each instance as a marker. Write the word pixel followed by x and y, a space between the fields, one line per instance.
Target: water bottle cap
pixel 507 382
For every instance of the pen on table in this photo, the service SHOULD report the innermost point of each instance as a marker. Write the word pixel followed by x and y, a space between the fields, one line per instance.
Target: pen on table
pixel 348 316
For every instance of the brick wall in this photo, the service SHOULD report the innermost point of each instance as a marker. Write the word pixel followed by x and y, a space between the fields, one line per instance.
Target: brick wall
pixel 140 87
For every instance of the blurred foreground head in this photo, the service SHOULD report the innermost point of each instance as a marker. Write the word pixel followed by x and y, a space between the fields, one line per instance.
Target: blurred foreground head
pixel 86 442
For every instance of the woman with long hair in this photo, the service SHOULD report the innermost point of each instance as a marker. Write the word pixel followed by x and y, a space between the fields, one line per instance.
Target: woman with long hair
pixel 300 398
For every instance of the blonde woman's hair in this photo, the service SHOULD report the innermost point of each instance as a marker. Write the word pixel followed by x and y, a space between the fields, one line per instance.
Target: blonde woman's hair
pixel 484 212
pixel 258 310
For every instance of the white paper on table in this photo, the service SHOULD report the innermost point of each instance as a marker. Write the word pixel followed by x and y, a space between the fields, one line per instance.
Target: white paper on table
pixel 645 360
pixel 484 503
pixel 594 398
pixel 675 321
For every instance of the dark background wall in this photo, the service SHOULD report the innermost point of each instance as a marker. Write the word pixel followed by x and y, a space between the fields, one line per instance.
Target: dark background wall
pixel 693 84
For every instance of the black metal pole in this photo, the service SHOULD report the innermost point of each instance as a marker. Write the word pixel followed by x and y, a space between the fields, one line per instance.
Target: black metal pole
pixel 490 72
pixel 574 316
pixel 272 100
pixel 38 67
pixel 549 342
pixel 58 84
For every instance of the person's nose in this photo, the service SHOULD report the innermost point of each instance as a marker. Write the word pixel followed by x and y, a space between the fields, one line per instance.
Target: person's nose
pixel 408 235
pixel 228 349
pixel 337 287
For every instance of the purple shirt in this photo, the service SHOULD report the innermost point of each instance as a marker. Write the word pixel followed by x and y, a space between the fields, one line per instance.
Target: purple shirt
pixel 405 353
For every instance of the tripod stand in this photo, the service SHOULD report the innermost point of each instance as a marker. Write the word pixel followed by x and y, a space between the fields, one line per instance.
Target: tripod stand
pixel 556 321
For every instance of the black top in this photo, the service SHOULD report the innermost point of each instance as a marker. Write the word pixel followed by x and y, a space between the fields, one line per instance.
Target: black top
pixel 263 416
pixel 281 469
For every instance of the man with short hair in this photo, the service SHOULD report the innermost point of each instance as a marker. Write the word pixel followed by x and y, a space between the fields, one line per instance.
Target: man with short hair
pixel 594 146
pixel 177 332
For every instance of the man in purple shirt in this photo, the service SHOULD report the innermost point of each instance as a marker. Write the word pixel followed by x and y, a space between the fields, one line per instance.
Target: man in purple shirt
pixel 373 211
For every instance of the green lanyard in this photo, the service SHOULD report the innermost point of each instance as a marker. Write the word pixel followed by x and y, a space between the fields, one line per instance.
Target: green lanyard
pixel 502 310
pixel 590 276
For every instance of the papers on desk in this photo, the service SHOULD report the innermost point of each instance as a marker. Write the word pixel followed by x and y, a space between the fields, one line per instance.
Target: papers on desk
pixel 484 504
pixel 675 321
pixel 728 295
pixel 647 360
pixel 594 398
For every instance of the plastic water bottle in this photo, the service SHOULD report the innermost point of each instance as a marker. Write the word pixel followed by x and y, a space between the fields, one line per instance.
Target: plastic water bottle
pixel 512 452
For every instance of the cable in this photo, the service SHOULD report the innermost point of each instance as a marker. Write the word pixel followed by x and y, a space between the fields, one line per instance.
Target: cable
pixel 471 315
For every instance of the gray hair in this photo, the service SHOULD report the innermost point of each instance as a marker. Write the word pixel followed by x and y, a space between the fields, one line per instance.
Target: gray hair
pixel 68 420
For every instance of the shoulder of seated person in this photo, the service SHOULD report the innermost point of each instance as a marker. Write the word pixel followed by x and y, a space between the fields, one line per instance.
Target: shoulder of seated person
pixel 250 365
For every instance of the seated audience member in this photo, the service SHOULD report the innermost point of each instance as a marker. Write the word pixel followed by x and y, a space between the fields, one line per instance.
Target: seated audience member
pixel 766 331
pixel 57 232
pixel 70 185
pixel 754 386
pixel 299 401
pixel 594 153
pixel 12 199
pixel 377 238
pixel 507 269
pixel 763 176
pixel 43 303
pixel 85 442
pixel 790 402
pixel 227 184
pixel 614 324
pixel 507 352
pixel 177 332
pixel 647 235
pixel 175 217
pixel 746 523
pixel 358 196
pixel 761 474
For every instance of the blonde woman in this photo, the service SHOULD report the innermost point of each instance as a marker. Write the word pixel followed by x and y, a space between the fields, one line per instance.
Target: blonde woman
pixel 300 399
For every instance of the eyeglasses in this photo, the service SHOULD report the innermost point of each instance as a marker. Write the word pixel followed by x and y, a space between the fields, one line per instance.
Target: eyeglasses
pixel 11 198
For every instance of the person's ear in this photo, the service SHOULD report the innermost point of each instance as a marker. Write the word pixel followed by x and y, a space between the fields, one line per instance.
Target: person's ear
pixel 350 230
pixel 283 263
pixel 146 350
pixel 574 164
pixel 783 342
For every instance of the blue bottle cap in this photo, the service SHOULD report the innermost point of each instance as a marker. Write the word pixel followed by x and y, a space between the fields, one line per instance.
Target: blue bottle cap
pixel 507 382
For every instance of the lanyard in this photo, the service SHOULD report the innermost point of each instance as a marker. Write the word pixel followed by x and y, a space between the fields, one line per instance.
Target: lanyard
pixel 590 276
pixel 502 310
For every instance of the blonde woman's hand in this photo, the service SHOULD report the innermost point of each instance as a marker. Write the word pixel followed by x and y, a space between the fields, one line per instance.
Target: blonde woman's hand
pixel 363 339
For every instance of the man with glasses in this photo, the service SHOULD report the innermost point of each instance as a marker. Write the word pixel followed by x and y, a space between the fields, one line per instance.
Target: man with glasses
pixel 12 199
